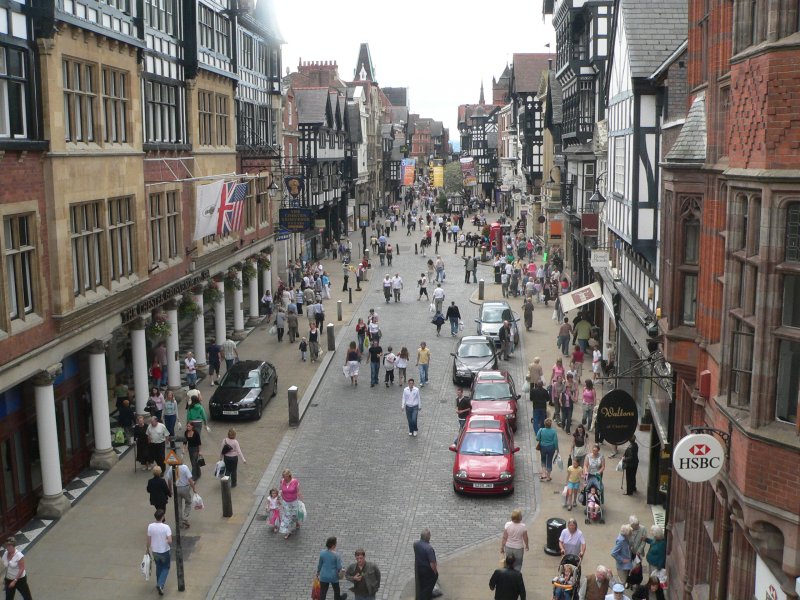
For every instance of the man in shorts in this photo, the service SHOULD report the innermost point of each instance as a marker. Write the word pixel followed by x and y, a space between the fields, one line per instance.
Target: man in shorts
pixel 214 353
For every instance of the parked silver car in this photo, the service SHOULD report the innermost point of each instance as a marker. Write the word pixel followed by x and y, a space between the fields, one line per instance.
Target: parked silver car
pixel 491 316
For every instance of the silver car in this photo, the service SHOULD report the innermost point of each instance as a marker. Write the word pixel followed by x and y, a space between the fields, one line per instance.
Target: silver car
pixel 490 318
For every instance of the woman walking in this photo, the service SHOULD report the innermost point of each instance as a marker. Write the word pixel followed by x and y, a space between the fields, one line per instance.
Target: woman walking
pixel 290 494
pixel 313 341
pixel 589 397
pixel 142 447
pixel 622 554
pixel 361 334
pixel 231 453
pixel 515 539
pixel 329 567
pixel 527 312
pixel 630 464
pixel 352 362
pixel 193 444
pixel 595 463
pixel 402 365
pixel 16 575
pixel 158 489
pixel 280 323
pixel 196 414
pixel 547 445
pixel 170 413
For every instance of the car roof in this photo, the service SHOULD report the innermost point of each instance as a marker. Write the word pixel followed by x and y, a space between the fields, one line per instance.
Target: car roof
pixel 473 339
pixel 486 423
pixel 495 303
pixel 492 375
pixel 248 365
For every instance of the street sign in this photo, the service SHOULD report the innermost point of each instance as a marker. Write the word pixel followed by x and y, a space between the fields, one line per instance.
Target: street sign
pixel 296 220
pixel 617 417
pixel 599 259
pixel 172 459
pixel 698 457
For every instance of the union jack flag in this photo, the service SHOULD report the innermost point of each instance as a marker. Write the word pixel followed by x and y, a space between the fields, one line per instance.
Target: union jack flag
pixel 231 207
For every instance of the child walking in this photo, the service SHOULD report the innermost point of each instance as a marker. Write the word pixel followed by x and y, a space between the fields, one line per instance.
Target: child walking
pixel 303 349
pixel 274 508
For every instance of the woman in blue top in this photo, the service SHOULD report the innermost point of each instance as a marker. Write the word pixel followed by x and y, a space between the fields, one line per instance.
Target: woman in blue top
pixel 328 568
pixel 548 446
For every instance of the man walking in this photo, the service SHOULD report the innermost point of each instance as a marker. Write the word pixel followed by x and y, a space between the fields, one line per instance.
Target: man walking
pixel 438 297
pixel 157 435
pixel 411 405
pixel 389 361
pixel 185 488
pixel 213 354
pixel 426 570
pixel 564 331
pixel 375 353
pixel 230 353
pixel 292 324
pixel 539 398
pixel 507 583
pixel 159 538
pixel 463 408
pixel 453 315
pixel 423 361
pixel 397 285
pixel 365 577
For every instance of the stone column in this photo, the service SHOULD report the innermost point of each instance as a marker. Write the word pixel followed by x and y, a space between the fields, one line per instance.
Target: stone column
pixel 238 309
pixel 139 353
pixel 266 277
pixel 173 364
pixel 53 503
pixel 103 456
pixel 253 298
pixel 199 330
pixel 219 319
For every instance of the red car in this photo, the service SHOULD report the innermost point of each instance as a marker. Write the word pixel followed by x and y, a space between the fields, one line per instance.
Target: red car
pixel 484 461
pixel 493 393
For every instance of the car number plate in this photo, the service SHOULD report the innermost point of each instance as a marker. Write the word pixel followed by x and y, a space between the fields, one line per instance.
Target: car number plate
pixel 483 485
pixel 230 412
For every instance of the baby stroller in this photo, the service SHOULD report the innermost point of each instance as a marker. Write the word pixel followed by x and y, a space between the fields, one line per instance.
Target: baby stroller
pixel 592 498
pixel 566 585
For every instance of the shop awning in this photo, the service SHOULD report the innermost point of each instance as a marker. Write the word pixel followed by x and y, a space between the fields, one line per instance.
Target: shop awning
pixel 581 296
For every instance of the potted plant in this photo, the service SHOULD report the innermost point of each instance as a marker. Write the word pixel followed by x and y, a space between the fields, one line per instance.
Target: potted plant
pixel 213 292
pixel 159 327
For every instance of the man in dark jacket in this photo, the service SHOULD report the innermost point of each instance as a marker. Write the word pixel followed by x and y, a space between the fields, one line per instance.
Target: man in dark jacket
pixel 504 335
pixel 453 315
pixel 507 583
pixel 539 397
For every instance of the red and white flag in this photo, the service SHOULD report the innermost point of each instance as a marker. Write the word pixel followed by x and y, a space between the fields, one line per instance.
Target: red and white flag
pixel 231 207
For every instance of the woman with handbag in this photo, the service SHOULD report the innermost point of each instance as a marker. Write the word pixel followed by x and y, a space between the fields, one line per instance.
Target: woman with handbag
pixel 547 445
pixel 330 570
pixel 193 445
pixel 231 453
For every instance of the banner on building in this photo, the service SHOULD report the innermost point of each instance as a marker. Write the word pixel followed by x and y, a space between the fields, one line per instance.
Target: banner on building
pixel 231 207
pixel 579 297
pixel 207 209
pixel 408 168
pixel 468 171
pixel 295 185
pixel 438 176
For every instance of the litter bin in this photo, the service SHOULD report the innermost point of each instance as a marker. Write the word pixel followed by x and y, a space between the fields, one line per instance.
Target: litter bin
pixel 554 528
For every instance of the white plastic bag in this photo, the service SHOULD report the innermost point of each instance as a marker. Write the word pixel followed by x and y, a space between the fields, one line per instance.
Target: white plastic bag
pixel 146 566
pixel 432 308
pixel 219 469
pixel 273 330
pixel 302 513
pixel 197 502
pixel 526 388
pixel 560 462
pixel 619 466
pixel 346 371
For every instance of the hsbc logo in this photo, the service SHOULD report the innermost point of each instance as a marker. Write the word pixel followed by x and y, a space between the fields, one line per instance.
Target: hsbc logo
pixel 698 457
pixel 700 449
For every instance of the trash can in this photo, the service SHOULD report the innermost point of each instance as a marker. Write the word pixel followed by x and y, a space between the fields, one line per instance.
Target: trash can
pixel 555 526
pixel 484 257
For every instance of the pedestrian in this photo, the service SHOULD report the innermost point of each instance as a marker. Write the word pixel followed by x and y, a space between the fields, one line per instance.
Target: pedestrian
pixel 507 582
pixel 438 321
pixel 397 286
pixel 389 254
pixel 505 280
pixel 158 490
pixel 126 418
pixel 535 371
pixel 630 464
pixel 649 591
pixel 582 331
pixel 547 444
pixel 361 334
pixel 527 313
pixel 365 577
pixel 196 414
pixel 505 336
pixel 266 300
pixel 156 440
pixel 411 405
pixel 579 448
pixel 423 362
pixel 387 288
pixel 299 300
pixel 375 353
pixel 422 282
pixel 566 401
pixel 539 399
pixel 352 363
pixel 280 323
pixel 159 538
pixel 303 346
pixel 622 553
pixel 439 266
pixel 426 569
pixel 596 585
pixel 597 358
pixel 193 443
pixel 638 539
pixel 389 361
pixel 515 539
pixel 373 329
pixel 230 353
pixel 402 365
pixel 170 412
pixel 474 269
pixel 463 408
pixel 657 553
pixel 155 403
pixel 142 445
pixel 438 297
pixel 184 488
pixel 190 362
pixel 319 313
pixel 230 453
pixel 594 464
pixel 454 316
pixel 290 497
pixel 160 353
pixel 576 362
pixel 571 540
pixel 345 275
pixel 313 341
pixel 292 324
pixel 155 373
pixel 329 569
pixel 564 331
pixel 467 268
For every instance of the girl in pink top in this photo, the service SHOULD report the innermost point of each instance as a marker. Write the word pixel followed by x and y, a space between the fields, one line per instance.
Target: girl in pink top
pixel 589 399
pixel 290 494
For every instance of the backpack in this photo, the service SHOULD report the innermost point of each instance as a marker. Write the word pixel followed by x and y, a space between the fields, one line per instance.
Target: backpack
pixel 119 437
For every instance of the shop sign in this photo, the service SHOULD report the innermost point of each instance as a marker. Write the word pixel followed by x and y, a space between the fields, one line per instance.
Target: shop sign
pixel 363 215
pixel 163 296
pixel 767 585
pixel 296 220
pixel 617 417
pixel 698 457
pixel 599 259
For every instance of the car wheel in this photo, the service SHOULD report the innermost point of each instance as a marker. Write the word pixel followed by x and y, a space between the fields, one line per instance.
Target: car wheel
pixel 259 409
pixel 275 388
pixel 456 490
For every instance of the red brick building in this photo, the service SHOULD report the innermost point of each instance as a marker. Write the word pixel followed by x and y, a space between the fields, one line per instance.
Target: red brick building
pixel 731 305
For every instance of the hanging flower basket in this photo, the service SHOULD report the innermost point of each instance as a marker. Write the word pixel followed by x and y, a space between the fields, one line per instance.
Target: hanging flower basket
pixel 232 281
pixel 263 261
pixel 249 271
pixel 159 328
pixel 189 309
pixel 213 292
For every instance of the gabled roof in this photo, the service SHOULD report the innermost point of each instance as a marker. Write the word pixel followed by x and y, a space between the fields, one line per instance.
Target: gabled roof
pixel 364 69
pixel 312 104
pixel 653 31
pixel 692 140
pixel 398 96
pixel 526 68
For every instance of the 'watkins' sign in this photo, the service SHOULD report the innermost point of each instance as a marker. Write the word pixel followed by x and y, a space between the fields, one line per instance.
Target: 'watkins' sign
pixel 698 457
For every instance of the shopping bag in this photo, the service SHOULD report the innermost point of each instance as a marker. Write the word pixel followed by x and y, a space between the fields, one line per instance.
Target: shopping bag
pixel 565 491
pixel 346 371
pixel 219 469
pixel 460 325
pixel 432 308
pixel 197 502
pixel 315 593
pixel 526 388
pixel 619 466
pixel 302 513
pixel 146 566
pixel 273 330
pixel 201 461
pixel 560 463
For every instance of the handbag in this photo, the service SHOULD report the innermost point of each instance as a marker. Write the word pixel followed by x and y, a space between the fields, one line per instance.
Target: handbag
pixel 315 593
pixel 201 462
pixel 226 448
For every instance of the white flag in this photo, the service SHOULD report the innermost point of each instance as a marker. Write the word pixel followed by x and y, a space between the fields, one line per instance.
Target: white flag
pixel 207 215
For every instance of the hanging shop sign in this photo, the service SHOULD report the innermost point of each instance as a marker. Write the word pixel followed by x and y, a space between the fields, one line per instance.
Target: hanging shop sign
pixel 698 457
pixel 617 417
pixel 363 215
pixel 599 259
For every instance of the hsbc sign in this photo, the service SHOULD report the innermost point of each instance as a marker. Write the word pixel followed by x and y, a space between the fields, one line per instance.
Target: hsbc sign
pixel 698 457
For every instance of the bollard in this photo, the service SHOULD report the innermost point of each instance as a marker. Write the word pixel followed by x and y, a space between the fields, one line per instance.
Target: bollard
pixel 415 248
pixel 480 289
pixel 338 310
pixel 294 409
pixel 464 253
pixel 331 338
pixel 397 249
pixel 227 501
pixel 349 295
pixel 455 248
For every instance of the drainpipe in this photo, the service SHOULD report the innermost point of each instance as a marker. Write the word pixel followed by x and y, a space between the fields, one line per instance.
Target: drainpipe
pixel 724 555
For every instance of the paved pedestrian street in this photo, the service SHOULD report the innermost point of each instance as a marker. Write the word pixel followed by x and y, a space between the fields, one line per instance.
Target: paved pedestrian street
pixel 363 478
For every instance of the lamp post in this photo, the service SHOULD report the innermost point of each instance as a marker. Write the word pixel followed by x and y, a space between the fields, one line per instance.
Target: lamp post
pixel 174 462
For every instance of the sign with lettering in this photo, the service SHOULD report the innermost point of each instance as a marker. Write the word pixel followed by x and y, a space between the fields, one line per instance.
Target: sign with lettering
pixel 296 220
pixel 363 215
pixel 153 301
pixel 698 457
pixel 617 417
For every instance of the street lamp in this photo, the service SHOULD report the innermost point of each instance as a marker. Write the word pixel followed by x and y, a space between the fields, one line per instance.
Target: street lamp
pixel 597 197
